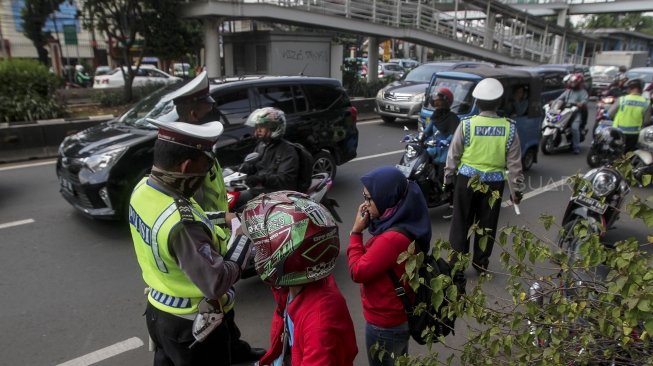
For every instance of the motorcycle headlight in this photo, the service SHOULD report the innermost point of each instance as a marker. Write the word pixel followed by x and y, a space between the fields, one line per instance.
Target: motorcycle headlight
pixel 420 168
pixel 99 162
pixel 604 183
pixel 411 153
pixel 418 98
pixel 648 136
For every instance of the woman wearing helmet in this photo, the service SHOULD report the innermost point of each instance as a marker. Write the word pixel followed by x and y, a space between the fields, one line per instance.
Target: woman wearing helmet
pixel 577 95
pixel 277 167
pixel 395 214
pixel 296 244
pixel 444 122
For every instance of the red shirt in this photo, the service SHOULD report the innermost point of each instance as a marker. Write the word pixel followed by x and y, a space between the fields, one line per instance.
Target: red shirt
pixel 324 332
pixel 368 265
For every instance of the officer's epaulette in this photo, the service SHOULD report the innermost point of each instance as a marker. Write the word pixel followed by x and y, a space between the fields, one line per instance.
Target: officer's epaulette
pixel 185 209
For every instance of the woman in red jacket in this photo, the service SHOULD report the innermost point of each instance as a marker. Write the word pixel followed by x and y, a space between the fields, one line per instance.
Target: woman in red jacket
pixel 296 245
pixel 395 213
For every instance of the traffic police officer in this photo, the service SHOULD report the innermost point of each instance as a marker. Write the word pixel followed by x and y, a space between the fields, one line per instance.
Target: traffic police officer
pixel 631 112
pixel 177 248
pixel 194 104
pixel 483 145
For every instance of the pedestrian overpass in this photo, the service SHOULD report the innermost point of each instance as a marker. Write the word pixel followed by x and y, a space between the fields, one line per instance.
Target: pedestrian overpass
pixel 501 34
pixel 580 7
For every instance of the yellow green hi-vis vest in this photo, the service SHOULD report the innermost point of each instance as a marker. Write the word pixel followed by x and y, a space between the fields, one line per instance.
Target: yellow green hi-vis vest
pixel 630 114
pixel 153 215
pixel 486 144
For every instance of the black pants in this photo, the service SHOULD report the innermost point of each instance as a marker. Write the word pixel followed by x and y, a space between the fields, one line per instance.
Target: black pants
pixel 631 141
pixel 470 207
pixel 172 336
pixel 239 348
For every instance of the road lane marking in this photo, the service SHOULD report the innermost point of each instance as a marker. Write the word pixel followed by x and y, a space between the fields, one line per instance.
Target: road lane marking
pixel 377 155
pixel 29 165
pixel 538 191
pixel 369 122
pixel 105 353
pixel 16 223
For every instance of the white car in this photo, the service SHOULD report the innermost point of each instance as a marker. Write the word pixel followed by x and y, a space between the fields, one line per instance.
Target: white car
pixel 147 74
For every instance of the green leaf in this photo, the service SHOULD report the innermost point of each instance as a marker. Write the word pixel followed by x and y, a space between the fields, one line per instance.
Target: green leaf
pixel 644 305
pixel 646 180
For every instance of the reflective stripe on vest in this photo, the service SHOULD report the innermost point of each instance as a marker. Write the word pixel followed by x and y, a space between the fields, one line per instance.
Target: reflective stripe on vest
pixel 153 216
pixel 630 115
pixel 487 141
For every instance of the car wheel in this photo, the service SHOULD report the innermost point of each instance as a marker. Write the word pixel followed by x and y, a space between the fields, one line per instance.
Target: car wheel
pixel 324 162
pixel 528 159
pixel 387 119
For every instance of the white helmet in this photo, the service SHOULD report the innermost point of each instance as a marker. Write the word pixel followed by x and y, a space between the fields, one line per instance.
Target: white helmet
pixel 269 117
pixel 79 68
pixel 488 89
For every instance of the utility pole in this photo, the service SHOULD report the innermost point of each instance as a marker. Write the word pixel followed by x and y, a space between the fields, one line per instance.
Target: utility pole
pixel 2 42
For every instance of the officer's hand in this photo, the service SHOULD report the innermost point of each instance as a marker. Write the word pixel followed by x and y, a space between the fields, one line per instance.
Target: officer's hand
pixel 447 188
pixel 238 250
pixel 517 197
pixel 253 180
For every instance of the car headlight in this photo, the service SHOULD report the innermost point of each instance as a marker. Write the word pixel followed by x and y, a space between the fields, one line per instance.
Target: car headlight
pixel 379 94
pixel 604 183
pixel 418 98
pixel 411 153
pixel 99 162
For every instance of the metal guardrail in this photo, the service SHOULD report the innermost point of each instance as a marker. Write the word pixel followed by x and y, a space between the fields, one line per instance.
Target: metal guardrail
pixel 427 17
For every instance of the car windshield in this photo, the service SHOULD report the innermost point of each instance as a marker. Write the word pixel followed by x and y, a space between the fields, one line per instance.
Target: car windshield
pixel 152 107
pixel 462 93
pixel 645 76
pixel 423 74
pixel 604 71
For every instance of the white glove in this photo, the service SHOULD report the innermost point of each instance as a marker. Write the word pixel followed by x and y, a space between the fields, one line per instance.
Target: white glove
pixel 207 319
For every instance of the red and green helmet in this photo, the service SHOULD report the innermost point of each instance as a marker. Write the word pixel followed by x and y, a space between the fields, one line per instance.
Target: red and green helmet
pixel 295 238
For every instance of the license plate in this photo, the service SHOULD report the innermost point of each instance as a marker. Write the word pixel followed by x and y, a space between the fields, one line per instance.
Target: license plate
pixel 391 108
pixel 591 203
pixel 66 185
pixel 404 169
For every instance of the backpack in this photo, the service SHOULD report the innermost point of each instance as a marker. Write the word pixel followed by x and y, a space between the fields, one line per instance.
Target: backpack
pixel 437 321
pixel 305 173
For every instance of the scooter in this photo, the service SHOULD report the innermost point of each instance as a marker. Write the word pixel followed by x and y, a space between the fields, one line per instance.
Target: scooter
pixel 602 119
pixel 642 160
pixel 416 165
pixel 556 127
pixel 607 146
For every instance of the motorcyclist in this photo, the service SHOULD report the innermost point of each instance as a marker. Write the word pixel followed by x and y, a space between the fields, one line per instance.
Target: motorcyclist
pixel 277 167
pixel 81 76
pixel 618 87
pixel 444 122
pixel 576 94
pixel 631 112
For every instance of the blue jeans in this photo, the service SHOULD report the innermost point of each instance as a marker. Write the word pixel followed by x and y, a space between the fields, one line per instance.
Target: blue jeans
pixel 575 132
pixel 392 340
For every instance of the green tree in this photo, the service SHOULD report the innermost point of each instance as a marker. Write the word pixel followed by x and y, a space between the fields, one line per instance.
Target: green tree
pixel 630 21
pixel 34 15
pixel 592 304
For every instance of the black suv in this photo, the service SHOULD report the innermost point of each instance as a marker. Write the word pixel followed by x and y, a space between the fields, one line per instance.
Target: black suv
pixel 98 167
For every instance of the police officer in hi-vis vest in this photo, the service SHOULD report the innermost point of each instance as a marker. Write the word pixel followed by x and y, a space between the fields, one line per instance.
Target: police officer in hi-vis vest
pixel 484 145
pixel 631 112
pixel 177 248
pixel 193 104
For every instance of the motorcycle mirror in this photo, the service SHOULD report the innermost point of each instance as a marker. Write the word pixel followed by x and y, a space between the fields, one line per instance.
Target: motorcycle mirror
pixel 251 157
pixel 405 128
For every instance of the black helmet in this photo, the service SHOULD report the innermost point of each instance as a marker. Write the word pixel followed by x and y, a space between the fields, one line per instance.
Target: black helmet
pixel 634 83
pixel 612 136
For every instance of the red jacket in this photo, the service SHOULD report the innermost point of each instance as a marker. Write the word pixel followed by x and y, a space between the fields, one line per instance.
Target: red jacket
pixel 368 265
pixel 324 332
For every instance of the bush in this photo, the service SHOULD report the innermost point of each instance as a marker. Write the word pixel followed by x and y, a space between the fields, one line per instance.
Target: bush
pixel 27 91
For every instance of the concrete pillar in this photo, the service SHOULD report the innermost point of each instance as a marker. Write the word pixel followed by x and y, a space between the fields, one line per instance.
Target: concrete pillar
pixel 490 22
pixel 212 46
pixel 558 42
pixel 372 59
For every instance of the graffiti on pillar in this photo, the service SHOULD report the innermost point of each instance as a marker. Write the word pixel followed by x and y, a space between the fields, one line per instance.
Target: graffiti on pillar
pixel 305 55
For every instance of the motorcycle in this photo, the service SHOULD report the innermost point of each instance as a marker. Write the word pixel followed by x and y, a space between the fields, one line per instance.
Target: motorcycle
pixel 416 165
pixel 556 127
pixel 602 119
pixel 607 146
pixel 642 160
pixel 597 201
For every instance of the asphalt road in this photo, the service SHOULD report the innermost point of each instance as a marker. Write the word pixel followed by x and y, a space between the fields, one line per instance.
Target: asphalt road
pixel 72 291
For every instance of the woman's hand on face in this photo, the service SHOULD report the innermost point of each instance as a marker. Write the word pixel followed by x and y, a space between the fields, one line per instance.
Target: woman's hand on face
pixel 361 219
